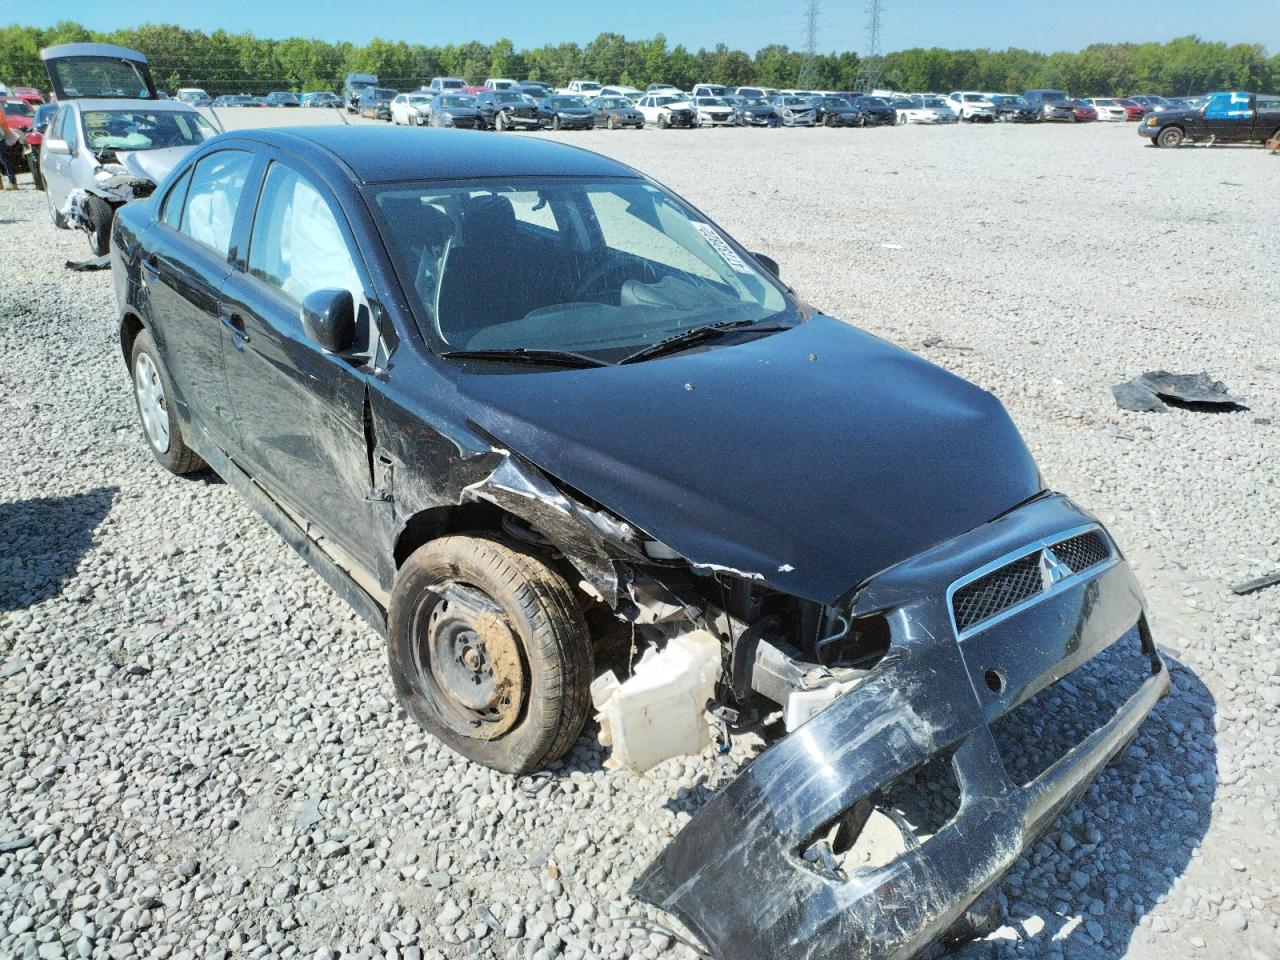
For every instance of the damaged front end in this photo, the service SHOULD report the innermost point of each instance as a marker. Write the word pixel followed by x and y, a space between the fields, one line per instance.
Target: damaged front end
pixel 805 854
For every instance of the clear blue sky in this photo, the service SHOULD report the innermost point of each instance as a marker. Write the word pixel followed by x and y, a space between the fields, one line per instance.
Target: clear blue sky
pixel 745 24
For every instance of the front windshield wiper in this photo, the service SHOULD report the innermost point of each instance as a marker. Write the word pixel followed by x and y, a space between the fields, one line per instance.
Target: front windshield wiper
pixel 559 358
pixel 695 335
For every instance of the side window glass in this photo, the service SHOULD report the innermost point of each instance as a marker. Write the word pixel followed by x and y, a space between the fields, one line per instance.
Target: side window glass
pixel 171 212
pixel 296 243
pixel 67 129
pixel 1227 106
pixel 213 193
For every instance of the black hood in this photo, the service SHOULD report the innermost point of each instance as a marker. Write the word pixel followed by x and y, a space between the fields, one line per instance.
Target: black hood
pixel 810 459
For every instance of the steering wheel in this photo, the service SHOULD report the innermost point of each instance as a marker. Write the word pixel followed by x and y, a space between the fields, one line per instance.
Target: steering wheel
pixel 594 284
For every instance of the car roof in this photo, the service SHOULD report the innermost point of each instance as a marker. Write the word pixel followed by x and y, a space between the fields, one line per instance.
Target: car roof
pixel 386 154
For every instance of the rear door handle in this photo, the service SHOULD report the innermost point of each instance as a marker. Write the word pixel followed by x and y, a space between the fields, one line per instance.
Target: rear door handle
pixel 235 325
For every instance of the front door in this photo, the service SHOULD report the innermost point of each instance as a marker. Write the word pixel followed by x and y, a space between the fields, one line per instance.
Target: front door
pixel 1229 116
pixel 300 410
pixel 190 248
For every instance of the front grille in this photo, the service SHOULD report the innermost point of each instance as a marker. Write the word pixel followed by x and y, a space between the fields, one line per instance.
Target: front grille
pixel 1082 552
pixel 997 591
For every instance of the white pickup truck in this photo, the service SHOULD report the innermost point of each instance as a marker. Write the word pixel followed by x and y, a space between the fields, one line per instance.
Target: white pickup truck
pixel 582 88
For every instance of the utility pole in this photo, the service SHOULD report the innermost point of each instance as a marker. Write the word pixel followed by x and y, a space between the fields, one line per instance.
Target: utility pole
pixel 869 78
pixel 808 77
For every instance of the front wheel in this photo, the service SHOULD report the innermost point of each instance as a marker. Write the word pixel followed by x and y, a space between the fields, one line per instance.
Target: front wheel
pixel 100 216
pixel 488 652
pixel 1170 137
pixel 500 121
pixel 58 219
pixel 610 124
pixel 663 123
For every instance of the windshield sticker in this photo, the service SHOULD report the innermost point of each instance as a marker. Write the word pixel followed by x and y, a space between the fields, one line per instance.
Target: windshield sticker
pixel 722 248
pixel 95 119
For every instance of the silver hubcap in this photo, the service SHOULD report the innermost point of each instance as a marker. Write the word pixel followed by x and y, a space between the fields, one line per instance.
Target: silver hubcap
pixel 151 405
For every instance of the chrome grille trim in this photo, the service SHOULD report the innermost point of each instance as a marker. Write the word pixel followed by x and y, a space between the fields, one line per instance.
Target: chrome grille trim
pixel 1087 552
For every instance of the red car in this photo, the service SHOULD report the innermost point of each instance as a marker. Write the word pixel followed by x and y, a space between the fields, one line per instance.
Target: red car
pixel 27 94
pixel 1135 110
pixel 20 114
pixel 1084 112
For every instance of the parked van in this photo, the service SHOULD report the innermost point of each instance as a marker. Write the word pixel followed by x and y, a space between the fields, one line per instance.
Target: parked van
pixel 353 85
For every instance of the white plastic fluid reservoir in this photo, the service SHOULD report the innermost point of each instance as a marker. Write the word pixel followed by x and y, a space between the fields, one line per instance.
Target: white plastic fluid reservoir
pixel 658 712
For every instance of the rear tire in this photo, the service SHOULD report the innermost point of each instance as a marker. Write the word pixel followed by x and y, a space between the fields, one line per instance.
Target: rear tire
pixel 517 693
pixel 153 396
pixel 100 215
pixel 1170 137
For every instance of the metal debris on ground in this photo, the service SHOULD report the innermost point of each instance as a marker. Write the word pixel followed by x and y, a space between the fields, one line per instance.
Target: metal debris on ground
pixel 93 263
pixel 1252 586
pixel 1155 390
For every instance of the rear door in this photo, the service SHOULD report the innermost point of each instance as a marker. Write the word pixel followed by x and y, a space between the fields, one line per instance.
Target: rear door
pixel 187 260
pixel 300 410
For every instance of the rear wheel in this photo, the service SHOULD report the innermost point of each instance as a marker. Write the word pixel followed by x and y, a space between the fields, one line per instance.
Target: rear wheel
pixel 1170 137
pixel 153 394
pixel 489 652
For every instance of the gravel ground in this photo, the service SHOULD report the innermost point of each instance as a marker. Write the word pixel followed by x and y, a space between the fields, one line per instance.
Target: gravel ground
pixel 199 751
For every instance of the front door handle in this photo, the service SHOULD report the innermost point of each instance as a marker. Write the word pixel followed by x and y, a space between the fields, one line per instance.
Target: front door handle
pixel 235 325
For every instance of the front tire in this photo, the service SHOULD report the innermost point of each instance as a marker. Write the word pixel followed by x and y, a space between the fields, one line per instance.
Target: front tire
pixel 100 216
pixel 663 123
pixel 555 122
pixel 1170 137
pixel 489 653
pixel 153 395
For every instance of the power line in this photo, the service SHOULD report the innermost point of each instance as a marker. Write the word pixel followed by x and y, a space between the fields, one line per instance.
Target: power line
pixel 870 77
pixel 808 76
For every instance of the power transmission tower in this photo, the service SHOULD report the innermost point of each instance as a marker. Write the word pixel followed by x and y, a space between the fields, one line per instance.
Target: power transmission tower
pixel 870 76
pixel 808 77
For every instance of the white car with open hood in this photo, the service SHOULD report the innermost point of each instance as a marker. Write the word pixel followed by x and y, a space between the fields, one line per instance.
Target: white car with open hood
pixel 113 139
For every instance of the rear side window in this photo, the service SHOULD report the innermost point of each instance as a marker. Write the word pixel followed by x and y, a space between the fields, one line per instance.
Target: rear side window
pixel 297 245
pixel 171 212
pixel 213 193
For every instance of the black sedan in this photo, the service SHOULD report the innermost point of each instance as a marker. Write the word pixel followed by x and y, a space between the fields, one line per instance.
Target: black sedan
pixel 756 112
pixel 506 110
pixel 1011 108
pixel 876 110
pixel 282 98
pixel 510 471
pixel 375 103
pixel 453 110
pixel 615 112
pixel 564 112
pixel 839 112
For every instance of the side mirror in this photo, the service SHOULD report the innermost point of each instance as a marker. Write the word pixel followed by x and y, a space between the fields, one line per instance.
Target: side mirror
pixel 57 146
pixel 768 263
pixel 329 318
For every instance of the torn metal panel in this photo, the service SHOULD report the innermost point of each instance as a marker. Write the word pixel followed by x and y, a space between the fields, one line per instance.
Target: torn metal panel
pixel 737 874
pixel 1150 392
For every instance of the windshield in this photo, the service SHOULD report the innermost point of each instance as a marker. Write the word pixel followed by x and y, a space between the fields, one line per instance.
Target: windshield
pixel 836 102
pixel 795 102
pixel 285 97
pixel 663 101
pixel 588 85
pixel 615 103
pixel 561 103
pixel 711 102
pixel 454 101
pixel 381 93
pixel 144 129
pixel 360 84
pixel 755 102
pixel 935 102
pixel 503 97
pixel 598 266
pixel 450 84
pixel 17 108
pixel 1053 96
pixel 419 101
pixel 873 102
pixel 973 97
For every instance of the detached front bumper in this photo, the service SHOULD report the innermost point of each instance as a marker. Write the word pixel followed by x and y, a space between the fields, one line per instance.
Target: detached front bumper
pixel 736 876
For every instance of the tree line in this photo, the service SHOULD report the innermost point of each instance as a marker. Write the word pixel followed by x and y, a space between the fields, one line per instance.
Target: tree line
pixel 223 62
